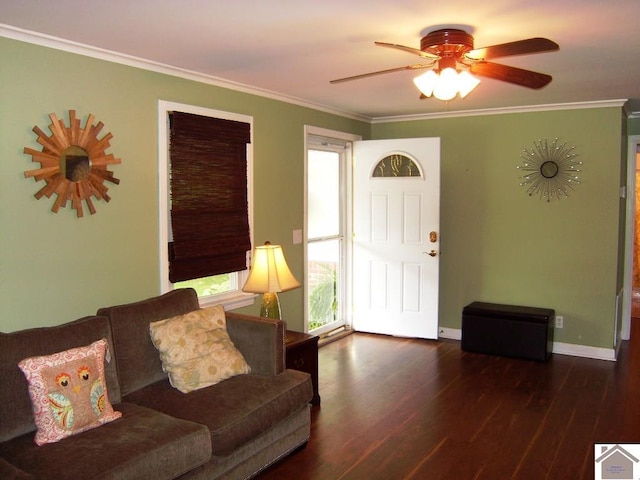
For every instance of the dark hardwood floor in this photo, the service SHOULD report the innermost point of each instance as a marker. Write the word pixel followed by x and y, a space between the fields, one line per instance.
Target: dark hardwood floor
pixel 396 408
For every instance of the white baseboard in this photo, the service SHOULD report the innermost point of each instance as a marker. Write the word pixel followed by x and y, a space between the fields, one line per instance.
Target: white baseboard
pixel 559 348
pixel 450 333
pixel 586 351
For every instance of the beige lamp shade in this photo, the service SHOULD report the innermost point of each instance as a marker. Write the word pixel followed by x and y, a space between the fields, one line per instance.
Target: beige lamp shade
pixel 269 271
pixel 269 275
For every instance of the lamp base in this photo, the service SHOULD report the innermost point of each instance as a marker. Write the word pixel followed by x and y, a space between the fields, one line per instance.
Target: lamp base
pixel 270 307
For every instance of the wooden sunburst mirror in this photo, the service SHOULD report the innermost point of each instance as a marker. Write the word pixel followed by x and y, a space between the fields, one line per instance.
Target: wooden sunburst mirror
pixel 73 163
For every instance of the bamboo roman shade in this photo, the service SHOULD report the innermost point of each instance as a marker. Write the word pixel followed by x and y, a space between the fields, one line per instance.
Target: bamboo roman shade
pixel 209 210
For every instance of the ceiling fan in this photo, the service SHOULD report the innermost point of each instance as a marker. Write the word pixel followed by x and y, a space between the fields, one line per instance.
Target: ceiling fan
pixel 452 48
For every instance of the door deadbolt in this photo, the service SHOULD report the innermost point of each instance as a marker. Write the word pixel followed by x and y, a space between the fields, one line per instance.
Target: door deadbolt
pixel 433 237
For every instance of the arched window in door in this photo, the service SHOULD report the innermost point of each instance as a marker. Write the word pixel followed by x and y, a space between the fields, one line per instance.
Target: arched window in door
pixel 397 165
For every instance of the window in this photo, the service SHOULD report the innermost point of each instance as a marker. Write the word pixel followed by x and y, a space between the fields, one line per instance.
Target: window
pixel 204 239
pixel 328 241
pixel 325 238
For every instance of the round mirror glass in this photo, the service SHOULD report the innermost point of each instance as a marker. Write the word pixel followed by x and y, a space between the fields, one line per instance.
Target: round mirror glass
pixel 75 163
pixel 549 169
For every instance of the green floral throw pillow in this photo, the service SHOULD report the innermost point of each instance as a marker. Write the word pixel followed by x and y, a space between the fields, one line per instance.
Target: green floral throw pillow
pixel 196 350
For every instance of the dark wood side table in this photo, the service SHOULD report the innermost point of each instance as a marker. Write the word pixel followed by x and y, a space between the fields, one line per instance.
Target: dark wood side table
pixel 302 354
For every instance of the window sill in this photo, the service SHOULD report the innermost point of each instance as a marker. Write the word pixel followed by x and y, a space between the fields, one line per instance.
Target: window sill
pixel 230 301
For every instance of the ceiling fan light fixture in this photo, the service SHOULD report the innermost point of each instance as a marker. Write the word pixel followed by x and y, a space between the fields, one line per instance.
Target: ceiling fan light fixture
pixel 446 84
pixel 426 82
pixel 454 48
pixel 466 83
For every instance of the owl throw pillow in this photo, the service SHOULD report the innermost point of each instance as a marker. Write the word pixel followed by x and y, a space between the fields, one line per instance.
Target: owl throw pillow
pixel 68 392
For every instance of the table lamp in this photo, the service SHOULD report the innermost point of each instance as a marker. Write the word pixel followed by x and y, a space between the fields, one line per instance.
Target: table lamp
pixel 269 275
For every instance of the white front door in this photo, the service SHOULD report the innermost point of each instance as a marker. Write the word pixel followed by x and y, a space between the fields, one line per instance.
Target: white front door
pixel 396 236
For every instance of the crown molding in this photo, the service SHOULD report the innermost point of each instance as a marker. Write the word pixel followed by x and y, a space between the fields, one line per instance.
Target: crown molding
pixel 58 43
pixel 503 110
pixel 69 46
pixel 632 108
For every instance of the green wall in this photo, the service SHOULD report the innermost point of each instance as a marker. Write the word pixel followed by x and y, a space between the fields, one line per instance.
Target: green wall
pixel 498 244
pixel 633 126
pixel 56 267
pixel 501 245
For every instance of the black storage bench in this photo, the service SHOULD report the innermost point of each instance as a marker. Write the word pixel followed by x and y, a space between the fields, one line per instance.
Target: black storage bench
pixel 508 330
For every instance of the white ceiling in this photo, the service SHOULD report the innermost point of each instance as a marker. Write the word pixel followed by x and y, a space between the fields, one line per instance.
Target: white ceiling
pixel 293 48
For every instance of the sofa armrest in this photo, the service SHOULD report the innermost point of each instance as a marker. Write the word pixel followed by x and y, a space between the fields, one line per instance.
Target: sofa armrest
pixel 10 472
pixel 261 341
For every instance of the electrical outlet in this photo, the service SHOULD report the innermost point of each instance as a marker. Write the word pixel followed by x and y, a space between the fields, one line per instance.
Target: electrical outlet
pixel 559 321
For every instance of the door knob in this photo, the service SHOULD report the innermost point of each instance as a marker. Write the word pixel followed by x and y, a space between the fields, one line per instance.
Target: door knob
pixel 432 253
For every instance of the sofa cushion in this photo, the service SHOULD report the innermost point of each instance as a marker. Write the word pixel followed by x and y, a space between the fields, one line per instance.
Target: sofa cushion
pixel 138 361
pixel 8 471
pixel 16 346
pixel 235 410
pixel 142 444
pixel 196 350
pixel 68 392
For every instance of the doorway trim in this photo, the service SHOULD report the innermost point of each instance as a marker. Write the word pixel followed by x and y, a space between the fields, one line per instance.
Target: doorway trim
pixel 633 143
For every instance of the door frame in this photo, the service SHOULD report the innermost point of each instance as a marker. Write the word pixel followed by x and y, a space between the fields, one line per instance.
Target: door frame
pixel 348 234
pixel 633 143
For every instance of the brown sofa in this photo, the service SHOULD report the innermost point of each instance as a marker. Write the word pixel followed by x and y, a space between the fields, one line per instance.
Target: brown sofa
pixel 233 429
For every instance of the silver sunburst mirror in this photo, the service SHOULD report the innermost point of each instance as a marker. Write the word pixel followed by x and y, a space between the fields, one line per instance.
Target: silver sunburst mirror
pixel 550 171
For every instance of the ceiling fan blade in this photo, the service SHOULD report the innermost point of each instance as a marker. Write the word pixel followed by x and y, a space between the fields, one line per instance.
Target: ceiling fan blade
pixel 380 72
pixel 520 47
pixel 414 51
pixel 506 73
